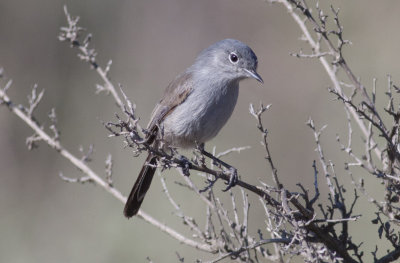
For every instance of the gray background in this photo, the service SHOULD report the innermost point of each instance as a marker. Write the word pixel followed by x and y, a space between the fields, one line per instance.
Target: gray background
pixel 43 219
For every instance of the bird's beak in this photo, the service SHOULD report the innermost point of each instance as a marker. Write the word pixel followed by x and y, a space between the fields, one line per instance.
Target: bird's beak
pixel 254 74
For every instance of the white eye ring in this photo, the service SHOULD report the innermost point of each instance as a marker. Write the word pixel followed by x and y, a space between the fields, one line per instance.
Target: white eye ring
pixel 233 58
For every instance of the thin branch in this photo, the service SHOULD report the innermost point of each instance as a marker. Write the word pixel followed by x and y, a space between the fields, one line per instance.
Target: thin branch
pixel 327 66
pixel 72 35
pixel 85 169
pixel 235 253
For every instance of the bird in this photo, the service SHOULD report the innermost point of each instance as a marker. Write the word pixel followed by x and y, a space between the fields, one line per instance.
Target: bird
pixel 195 106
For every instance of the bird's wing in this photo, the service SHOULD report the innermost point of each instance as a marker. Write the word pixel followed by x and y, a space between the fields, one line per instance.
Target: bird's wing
pixel 176 93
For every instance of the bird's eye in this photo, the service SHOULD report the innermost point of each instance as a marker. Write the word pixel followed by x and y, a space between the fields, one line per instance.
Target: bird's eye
pixel 233 58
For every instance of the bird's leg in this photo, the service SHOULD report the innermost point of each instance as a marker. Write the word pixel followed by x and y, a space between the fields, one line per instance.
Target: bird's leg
pixel 233 172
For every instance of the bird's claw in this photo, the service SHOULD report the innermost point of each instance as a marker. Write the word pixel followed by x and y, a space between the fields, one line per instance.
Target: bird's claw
pixel 232 180
pixel 185 165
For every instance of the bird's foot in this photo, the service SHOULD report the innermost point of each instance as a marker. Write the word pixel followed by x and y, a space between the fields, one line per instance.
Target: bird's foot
pixel 232 180
pixel 184 165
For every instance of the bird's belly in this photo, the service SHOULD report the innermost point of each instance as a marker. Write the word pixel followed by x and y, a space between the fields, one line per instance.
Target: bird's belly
pixel 198 120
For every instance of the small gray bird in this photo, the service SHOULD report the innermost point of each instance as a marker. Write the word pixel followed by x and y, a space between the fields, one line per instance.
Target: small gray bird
pixel 195 106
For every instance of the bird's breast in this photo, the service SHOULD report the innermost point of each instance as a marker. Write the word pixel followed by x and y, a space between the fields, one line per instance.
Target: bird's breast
pixel 201 116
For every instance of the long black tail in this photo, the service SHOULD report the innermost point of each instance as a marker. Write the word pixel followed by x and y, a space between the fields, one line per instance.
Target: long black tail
pixel 140 187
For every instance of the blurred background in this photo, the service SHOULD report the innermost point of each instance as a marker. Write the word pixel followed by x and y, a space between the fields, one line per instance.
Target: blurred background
pixel 44 219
